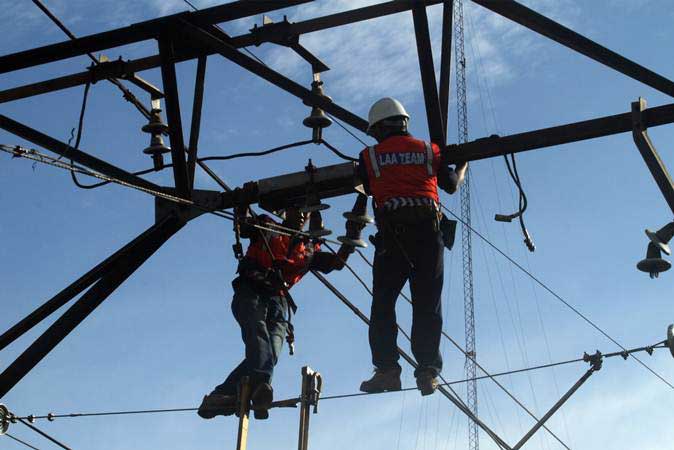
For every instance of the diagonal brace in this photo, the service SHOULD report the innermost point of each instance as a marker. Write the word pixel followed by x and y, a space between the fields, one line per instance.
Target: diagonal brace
pixel 63 149
pixel 650 154
pixel 67 294
pixel 220 45
pixel 463 408
pixel 575 41
pixel 168 74
pixel 425 53
pixel 91 299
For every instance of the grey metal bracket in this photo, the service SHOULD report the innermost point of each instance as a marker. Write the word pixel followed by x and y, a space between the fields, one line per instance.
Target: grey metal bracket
pixel 207 201
pixel 650 154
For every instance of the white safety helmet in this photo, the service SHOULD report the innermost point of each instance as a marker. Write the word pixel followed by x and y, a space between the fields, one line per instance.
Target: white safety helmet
pixel 385 108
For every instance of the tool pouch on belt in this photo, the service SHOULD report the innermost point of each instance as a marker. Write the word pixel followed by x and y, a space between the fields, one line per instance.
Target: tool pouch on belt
pixel 448 229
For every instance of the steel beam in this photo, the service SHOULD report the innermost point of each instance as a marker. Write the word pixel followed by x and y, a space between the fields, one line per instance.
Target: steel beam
pixel 63 297
pixel 650 154
pixel 457 402
pixel 219 44
pixel 137 32
pixel 575 41
pixel 68 152
pixel 170 82
pixel 555 408
pixel 150 62
pixel 425 53
pixel 446 62
pixel 548 137
pixel 79 311
pixel 196 119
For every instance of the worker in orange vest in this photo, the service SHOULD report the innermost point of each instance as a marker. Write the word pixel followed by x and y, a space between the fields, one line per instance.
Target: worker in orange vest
pixel 262 305
pixel 403 174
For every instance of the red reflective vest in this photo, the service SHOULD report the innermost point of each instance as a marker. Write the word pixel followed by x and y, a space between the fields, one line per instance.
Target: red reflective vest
pixel 294 264
pixel 402 167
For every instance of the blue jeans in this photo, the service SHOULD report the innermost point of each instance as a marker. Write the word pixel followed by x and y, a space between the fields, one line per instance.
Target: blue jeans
pixel 399 246
pixel 262 317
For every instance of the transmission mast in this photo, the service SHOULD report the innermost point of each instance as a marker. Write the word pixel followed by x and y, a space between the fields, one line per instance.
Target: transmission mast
pixel 466 244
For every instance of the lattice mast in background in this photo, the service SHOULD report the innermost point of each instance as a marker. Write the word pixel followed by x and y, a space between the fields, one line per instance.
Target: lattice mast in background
pixel 466 244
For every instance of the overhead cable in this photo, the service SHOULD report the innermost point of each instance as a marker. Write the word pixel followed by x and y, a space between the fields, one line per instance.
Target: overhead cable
pixel 557 296
pixel 127 94
pixel 20 441
pixel 43 434
pixel 479 366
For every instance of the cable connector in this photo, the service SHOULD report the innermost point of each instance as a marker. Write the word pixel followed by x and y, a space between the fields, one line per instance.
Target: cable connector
pixel 504 218
pixel 528 241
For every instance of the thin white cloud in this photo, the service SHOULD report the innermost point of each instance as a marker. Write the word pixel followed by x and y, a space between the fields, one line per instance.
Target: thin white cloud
pixel 377 58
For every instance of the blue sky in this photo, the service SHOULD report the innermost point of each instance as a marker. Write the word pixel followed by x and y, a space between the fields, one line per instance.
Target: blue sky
pixel 166 336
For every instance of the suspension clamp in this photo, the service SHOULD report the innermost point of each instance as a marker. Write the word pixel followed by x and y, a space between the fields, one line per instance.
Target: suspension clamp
pixel 595 360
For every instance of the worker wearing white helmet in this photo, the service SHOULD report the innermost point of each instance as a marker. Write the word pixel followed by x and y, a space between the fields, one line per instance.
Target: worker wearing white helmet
pixel 403 174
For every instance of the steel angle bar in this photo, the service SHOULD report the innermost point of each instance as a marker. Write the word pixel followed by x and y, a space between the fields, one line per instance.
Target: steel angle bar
pixel 335 20
pixel 196 118
pixel 168 74
pixel 425 53
pixel 555 408
pixel 137 32
pixel 150 62
pixel 63 297
pixel 563 134
pixel 44 435
pixel 217 45
pixel 650 154
pixel 68 152
pixel 89 301
pixel 575 41
pixel 463 408
pixel 446 62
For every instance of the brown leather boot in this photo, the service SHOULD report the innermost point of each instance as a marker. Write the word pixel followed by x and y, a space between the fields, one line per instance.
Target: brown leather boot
pixel 383 380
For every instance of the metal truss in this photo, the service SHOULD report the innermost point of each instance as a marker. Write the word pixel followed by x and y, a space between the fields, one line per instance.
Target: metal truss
pixel 193 35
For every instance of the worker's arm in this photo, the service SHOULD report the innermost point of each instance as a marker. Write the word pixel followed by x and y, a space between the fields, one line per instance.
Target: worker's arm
pixel 450 179
pixel 327 262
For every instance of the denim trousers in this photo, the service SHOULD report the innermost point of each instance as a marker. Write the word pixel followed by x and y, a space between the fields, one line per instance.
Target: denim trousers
pixel 411 252
pixel 262 316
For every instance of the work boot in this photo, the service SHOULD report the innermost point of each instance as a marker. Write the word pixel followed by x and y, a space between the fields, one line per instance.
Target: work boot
pixel 427 382
pixel 262 398
pixel 217 405
pixel 383 380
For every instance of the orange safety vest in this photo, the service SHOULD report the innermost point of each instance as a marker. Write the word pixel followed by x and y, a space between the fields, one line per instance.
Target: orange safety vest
pixel 402 169
pixel 294 264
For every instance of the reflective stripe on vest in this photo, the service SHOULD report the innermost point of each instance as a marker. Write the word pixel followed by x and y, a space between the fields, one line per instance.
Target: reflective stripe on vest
pixel 429 158
pixel 373 161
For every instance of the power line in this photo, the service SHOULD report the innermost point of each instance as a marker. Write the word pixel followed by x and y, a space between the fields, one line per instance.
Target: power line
pixel 558 297
pixel 464 352
pixel 127 94
pixel 20 441
pixel 52 416
pixel 43 434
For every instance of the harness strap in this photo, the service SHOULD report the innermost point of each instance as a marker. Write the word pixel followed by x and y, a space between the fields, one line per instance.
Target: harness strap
pixel 373 161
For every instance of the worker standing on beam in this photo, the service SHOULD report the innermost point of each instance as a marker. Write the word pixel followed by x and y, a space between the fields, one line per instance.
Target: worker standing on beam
pixel 403 174
pixel 262 306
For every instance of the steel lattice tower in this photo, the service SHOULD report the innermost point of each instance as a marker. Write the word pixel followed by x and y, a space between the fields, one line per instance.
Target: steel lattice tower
pixel 466 244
